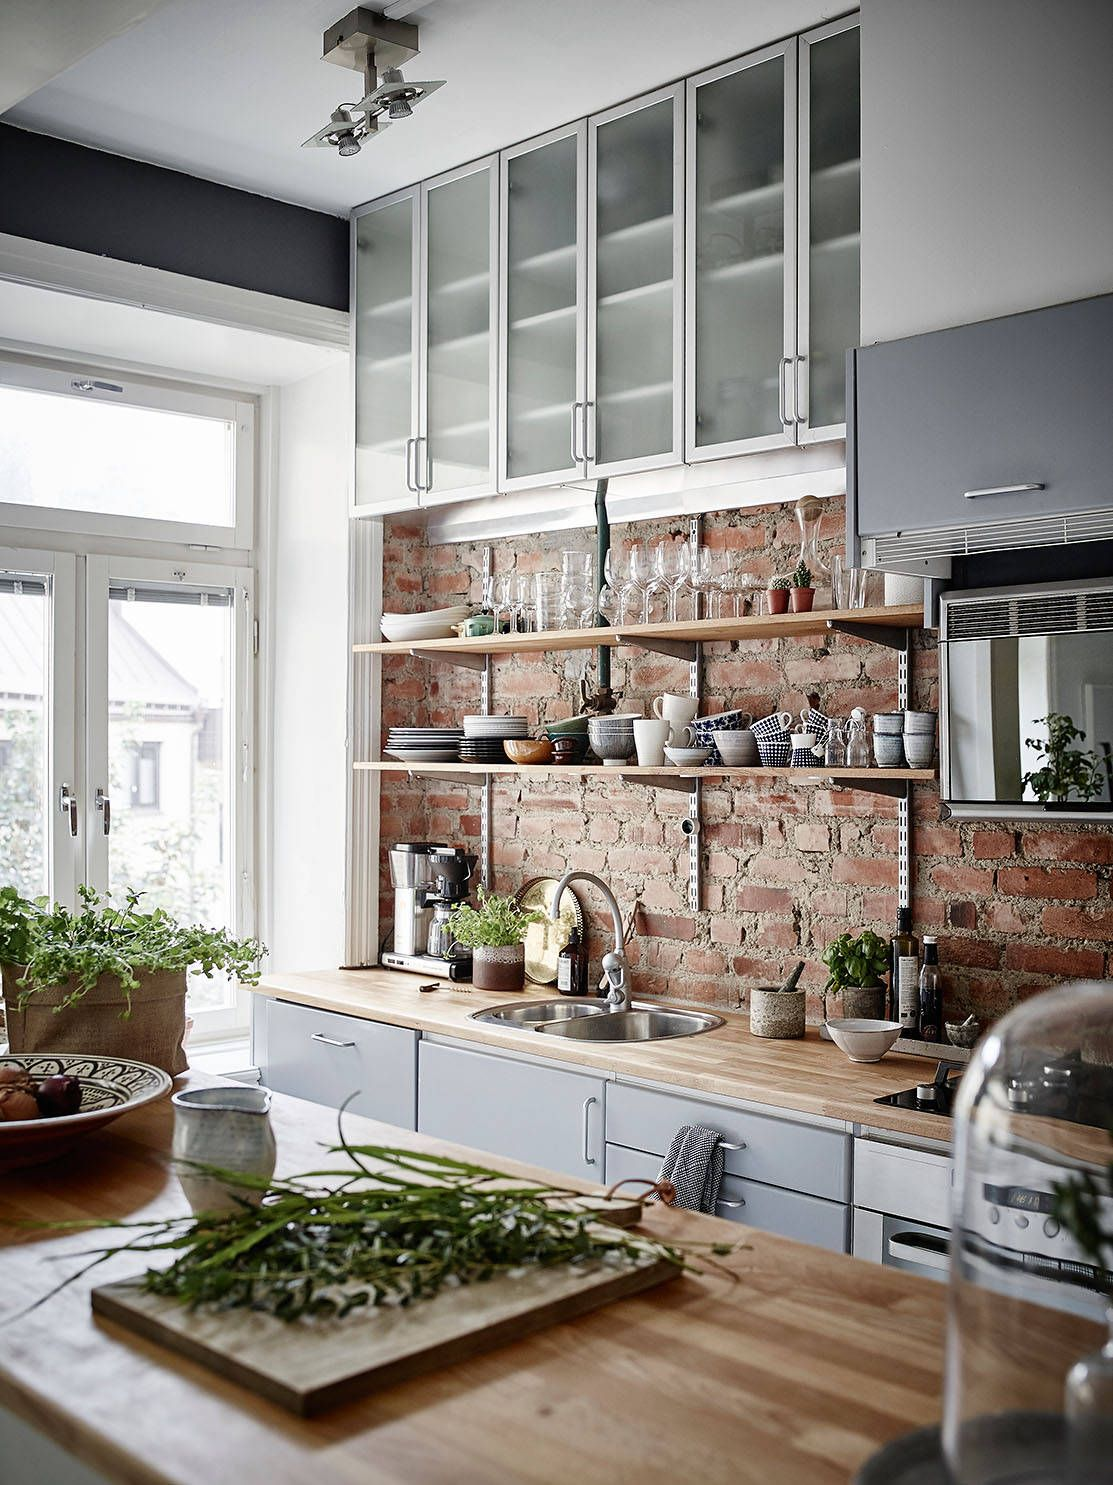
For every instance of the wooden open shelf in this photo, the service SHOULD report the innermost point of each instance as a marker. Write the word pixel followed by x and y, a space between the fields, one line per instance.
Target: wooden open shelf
pixel 698 631
pixel 631 770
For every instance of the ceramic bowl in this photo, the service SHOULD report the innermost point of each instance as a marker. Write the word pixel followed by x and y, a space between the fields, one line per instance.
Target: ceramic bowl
pixel 612 744
pixel 528 749
pixel 569 727
pixel 862 1040
pixel 919 749
pixel 688 757
pixel 888 722
pixel 110 1086
pixel 737 749
pixel 961 1035
pixel 569 748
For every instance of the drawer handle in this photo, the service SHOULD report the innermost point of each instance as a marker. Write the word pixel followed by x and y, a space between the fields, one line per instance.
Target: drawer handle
pixel 329 1041
pixel 726 1145
pixel 1001 490
pixel 922 1248
pixel 589 1158
pixel 721 1203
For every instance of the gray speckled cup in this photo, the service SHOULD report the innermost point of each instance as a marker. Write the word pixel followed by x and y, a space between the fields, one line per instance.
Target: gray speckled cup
pixel 777 1013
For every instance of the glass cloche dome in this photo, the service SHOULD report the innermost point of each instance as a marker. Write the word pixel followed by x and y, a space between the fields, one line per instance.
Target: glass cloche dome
pixel 1033 1124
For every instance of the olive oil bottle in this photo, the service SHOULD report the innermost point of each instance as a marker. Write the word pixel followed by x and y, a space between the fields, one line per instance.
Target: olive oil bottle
pixel 904 975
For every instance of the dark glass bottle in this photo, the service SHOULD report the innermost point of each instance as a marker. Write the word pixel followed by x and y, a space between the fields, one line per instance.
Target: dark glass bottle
pixel 931 994
pixel 572 966
pixel 904 975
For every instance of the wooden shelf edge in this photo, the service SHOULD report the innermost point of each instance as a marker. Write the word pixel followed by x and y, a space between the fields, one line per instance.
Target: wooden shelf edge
pixel 703 631
pixel 599 770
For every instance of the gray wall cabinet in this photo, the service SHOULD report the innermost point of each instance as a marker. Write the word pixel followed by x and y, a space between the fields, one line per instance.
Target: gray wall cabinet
pixel 545 1115
pixel 326 1057
pixel 983 425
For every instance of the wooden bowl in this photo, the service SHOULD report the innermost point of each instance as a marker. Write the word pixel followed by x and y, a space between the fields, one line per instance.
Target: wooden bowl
pixel 110 1086
pixel 528 749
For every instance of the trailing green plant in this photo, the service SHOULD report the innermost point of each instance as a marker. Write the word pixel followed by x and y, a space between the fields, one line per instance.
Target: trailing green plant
pixel 779 585
pixel 52 944
pixel 1066 770
pixel 497 923
pixel 801 576
pixel 855 961
pixel 389 1227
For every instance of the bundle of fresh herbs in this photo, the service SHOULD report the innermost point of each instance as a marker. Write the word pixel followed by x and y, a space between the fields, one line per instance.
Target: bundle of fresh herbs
pixel 394 1230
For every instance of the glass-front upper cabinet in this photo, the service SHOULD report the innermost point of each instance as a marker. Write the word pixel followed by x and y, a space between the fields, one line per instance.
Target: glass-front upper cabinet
pixel 741 222
pixel 633 418
pixel 828 321
pixel 543 283
pixel 457 453
pixel 385 325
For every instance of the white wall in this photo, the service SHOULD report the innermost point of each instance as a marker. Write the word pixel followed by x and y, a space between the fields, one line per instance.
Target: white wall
pixel 987 137
pixel 310 669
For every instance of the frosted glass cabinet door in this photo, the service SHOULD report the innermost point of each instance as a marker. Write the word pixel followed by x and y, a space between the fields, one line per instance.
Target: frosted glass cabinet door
pixel 456 455
pixel 384 307
pixel 635 285
pixel 830 178
pixel 543 283
pixel 741 254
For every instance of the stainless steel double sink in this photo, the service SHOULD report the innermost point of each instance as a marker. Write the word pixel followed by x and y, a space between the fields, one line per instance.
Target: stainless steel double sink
pixel 594 1021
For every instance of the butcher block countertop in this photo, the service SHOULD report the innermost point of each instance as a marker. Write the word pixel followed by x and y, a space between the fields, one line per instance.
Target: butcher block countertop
pixel 808 1076
pixel 793 1367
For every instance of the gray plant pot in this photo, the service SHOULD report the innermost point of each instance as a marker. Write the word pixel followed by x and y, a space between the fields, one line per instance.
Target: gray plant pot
pixel 777 1013
pixel 865 1002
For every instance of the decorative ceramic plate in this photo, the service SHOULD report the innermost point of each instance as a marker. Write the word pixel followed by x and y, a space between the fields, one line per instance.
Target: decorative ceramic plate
pixel 544 941
pixel 110 1086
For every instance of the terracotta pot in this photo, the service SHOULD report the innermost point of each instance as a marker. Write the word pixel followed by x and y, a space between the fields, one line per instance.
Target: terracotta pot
pixel 866 1002
pixel 777 1013
pixel 96 1024
pixel 499 969
pixel 801 599
pixel 776 600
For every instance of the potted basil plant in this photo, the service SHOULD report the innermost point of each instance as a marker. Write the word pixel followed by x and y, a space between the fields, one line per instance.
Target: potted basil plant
pixel 855 967
pixel 495 932
pixel 107 979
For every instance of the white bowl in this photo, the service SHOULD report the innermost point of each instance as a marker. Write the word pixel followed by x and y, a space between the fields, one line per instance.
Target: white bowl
pixel 863 1040
pixel 445 615
pixel 688 757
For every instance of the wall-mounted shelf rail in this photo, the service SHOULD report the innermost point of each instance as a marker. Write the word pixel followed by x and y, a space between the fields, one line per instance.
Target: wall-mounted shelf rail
pixel 857 778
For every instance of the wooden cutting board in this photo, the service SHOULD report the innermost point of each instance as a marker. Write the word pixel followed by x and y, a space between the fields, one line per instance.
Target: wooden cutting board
pixel 310 1366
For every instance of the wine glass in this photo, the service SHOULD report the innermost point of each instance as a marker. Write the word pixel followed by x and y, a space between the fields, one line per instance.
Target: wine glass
pixel 708 576
pixel 635 591
pixel 672 566
pixel 504 604
pixel 523 602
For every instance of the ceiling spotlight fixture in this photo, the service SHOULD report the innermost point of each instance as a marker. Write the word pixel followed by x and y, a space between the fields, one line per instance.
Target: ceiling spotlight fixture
pixel 368 42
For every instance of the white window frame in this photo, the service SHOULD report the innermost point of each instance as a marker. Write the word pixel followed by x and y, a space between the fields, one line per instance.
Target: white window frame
pixel 58 379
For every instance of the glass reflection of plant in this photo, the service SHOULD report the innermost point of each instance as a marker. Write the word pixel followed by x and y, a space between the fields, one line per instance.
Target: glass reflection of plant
pixel 1067 771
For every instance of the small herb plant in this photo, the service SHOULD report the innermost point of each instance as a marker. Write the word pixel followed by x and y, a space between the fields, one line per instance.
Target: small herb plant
pixel 857 961
pixel 1066 770
pixel 801 576
pixel 1079 1208
pixel 497 923
pixel 51 944
pixel 779 585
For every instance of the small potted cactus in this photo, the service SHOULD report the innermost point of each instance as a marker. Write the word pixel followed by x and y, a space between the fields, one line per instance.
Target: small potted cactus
pixel 802 594
pixel 776 596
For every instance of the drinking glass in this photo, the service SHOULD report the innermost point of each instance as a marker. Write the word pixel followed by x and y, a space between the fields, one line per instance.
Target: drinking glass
pixel 548 594
pixel 708 577
pixel 523 603
pixel 576 565
pixel 635 593
pixel 848 584
pixel 672 566
pixel 504 604
pixel 577 605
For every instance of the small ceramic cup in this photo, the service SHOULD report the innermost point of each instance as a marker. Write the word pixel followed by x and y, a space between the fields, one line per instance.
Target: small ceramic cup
pixel 919 749
pixel 677 711
pixel 920 722
pixel 228 1128
pixel 888 722
pixel 888 750
pixel 650 736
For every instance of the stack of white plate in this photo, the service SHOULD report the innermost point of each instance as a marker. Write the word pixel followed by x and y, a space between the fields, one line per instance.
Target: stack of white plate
pixel 424 744
pixel 496 727
pixel 436 624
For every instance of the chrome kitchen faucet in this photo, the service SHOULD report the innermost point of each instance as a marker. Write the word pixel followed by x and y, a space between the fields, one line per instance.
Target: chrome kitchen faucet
pixel 616 967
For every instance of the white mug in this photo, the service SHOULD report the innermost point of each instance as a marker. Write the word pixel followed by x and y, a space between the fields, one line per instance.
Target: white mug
pixel 650 736
pixel 677 711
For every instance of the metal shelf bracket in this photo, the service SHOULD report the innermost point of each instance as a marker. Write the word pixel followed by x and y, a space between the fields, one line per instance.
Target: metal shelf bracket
pixel 446 776
pixel 678 785
pixel 889 635
pixel 677 649
pixel 462 658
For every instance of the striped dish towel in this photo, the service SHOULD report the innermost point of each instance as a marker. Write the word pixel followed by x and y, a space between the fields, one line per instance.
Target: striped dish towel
pixel 694 1165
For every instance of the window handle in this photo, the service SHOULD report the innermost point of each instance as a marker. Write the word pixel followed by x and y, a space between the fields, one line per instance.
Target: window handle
pixel 67 805
pixel 329 1041
pixel 104 804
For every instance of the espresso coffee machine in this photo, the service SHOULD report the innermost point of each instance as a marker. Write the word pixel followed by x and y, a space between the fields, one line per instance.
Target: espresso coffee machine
pixel 429 881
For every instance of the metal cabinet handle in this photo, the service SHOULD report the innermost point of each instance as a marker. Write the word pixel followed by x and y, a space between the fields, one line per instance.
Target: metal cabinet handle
pixel 67 805
pixel 921 1248
pixel 782 392
pixel 721 1203
pixel 410 442
pixel 1001 490
pixel 800 397
pixel 576 457
pixel 726 1145
pixel 329 1041
pixel 421 464
pixel 589 436
pixel 589 1158
pixel 104 804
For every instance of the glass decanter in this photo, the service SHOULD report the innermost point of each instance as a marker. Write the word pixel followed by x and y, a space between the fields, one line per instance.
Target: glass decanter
pixel 1088 1406
pixel 859 754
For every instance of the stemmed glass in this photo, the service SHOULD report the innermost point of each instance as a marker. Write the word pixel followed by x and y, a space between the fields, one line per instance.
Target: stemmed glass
pixel 635 590
pixel 523 603
pixel 504 604
pixel 707 582
pixel 672 566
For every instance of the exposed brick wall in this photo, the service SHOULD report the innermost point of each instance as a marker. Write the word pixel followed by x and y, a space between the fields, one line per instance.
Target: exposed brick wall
pixel 786 868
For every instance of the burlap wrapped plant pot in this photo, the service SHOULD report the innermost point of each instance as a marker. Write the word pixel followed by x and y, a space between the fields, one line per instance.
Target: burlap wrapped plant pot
pixel 152 1033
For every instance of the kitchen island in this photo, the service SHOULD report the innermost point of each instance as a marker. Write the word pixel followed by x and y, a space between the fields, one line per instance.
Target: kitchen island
pixel 792 1368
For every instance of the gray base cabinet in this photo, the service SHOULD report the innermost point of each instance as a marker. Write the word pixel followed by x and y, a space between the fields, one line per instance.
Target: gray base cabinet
pixel 325 1058
pixel 808 1219
pixel 544 1115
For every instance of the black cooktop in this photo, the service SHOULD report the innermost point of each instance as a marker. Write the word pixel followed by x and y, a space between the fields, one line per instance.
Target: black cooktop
pixel 925 1098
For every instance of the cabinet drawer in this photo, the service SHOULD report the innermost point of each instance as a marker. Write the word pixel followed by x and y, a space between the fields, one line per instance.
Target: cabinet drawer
pixel 892 1178
pixel 326 1057
pixel 775 1151
pixel 542 1115
pixel 808 1219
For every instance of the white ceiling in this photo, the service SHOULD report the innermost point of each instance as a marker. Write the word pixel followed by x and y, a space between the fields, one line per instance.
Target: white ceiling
pixel 228 89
